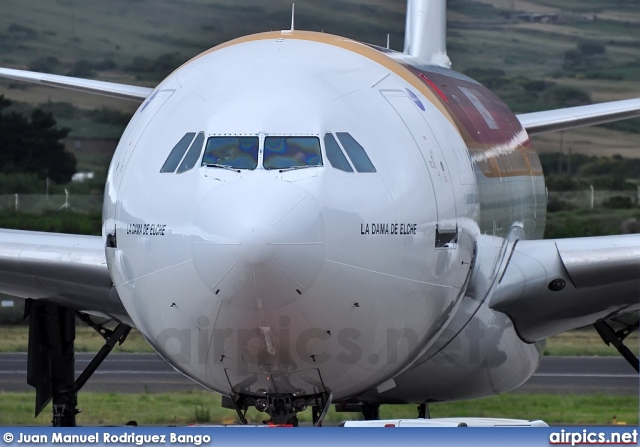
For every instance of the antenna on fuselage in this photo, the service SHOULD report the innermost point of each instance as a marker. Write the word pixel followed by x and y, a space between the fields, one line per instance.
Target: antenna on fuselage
pixel 388 38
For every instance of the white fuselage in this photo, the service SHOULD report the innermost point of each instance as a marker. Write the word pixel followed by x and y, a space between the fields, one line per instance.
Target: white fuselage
pixel 255 278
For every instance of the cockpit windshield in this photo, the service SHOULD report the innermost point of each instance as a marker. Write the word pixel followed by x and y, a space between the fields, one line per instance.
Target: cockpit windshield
pixel 233 152
pixel 291 152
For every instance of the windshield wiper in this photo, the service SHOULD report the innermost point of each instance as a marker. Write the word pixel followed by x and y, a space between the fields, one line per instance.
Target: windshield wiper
pixel 293 168
pixel 214 165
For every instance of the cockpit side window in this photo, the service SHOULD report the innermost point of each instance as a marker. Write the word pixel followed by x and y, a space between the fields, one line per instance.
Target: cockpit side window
pixel 231 152
pixel 193 155
pixel 291 152
pixel 356 153
pixel 335 155
pixel 177 153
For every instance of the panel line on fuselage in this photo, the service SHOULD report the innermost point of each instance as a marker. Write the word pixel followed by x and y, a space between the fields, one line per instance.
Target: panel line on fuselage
pixel 154 272
pixel 347 44
pixel 404 67
pixel 390 275
pixel 287 275
pixel 288 211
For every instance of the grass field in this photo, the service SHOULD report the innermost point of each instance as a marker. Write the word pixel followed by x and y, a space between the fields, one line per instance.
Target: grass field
pixel 56 222
pixel 560 224
pixel 584 342
pixel 16 338
pixel 586 222
pixel 204 407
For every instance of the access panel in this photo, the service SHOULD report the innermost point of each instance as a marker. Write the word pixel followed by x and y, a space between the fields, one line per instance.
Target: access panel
pixel 432 155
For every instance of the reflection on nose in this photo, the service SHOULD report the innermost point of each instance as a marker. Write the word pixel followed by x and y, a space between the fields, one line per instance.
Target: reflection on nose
pixel 258 242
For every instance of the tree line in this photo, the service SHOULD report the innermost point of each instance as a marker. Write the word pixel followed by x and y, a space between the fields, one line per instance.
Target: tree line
pixel 32 144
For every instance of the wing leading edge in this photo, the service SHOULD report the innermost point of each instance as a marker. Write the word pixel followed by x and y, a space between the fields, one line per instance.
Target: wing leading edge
pixel 69 270
pixel 572 117
pixel 122 91
pixel 552 286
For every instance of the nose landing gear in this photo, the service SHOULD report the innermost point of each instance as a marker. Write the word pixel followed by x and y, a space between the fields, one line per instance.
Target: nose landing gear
pixel 282 409
pixel 282 395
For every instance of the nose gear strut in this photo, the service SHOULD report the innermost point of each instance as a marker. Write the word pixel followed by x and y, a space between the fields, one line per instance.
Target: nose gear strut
pixel 281 408
pixel 275 394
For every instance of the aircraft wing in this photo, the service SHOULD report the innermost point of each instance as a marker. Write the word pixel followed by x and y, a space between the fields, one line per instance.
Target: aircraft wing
pixel 70 270
pixel 122 91
pixel 552 286
pixel 569 118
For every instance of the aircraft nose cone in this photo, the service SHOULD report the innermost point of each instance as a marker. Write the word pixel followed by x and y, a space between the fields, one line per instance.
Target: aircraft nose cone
pixel 258 242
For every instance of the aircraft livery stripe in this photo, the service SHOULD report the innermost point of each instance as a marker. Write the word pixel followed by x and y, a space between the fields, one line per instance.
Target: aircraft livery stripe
pixel 350 45
pixel 503 148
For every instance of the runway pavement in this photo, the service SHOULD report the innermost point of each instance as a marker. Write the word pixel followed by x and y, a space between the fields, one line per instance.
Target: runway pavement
pixel 136 373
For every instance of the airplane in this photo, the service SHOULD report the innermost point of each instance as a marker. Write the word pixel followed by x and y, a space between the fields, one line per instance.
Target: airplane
pixel 346 224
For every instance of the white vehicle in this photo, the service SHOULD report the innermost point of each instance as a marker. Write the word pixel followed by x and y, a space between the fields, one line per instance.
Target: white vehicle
pixel 348 225
pixel 446 422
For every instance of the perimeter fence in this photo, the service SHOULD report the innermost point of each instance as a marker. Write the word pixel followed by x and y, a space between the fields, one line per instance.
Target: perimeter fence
pixel 85 204
pixel 42 203
pixel 592 198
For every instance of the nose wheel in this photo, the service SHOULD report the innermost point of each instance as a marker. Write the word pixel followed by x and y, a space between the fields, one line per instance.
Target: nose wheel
pixel 279 394
pixel 282 409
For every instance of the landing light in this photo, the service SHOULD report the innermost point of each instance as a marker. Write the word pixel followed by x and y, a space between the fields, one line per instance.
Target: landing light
pixel 557 285
pixel 261 405
pixel 299 405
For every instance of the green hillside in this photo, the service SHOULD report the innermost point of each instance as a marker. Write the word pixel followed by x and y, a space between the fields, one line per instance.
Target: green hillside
pixel 141 41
